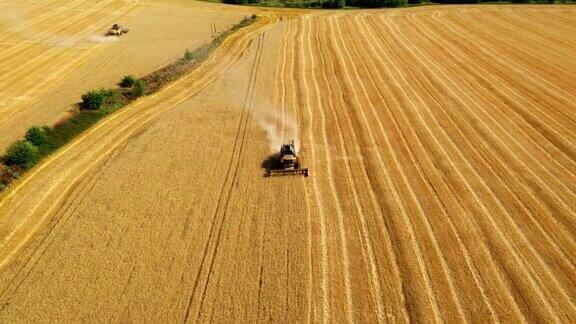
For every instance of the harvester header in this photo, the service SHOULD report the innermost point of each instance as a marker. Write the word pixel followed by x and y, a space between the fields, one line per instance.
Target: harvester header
pixel 288 161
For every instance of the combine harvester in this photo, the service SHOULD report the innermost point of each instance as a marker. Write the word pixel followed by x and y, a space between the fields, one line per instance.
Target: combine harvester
pixel 289 162
pixel 116 30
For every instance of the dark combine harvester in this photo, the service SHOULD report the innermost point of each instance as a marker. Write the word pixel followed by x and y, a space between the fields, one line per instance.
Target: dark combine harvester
pixel 289 162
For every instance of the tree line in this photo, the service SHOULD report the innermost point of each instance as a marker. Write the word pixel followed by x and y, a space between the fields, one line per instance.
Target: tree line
pixel 332 4
pixel 336 4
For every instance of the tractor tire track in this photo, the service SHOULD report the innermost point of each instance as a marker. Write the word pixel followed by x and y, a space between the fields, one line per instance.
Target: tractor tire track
pixel 528 155
pixel 403 207
pixel 303 100
pixel 515 224
pixel 433 177
pixel 308 55
pixel 226 191
pixel 517 254
pixel 501 162
pixel 457 312
pixel 382 311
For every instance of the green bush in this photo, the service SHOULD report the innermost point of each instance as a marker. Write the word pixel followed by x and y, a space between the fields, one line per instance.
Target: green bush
pixel 334 4
pixel 235 1
pixel 93 100
pixel 139 88
pixel 457 1
pixel 393 3
pixel 62 133
pixel 21 153
pixel 377 3
pixel 188 55
pixel 37 135
pixel 127 81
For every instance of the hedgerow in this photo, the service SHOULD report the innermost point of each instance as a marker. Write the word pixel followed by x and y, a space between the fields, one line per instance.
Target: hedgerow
pixel 41 141
pixel 21 153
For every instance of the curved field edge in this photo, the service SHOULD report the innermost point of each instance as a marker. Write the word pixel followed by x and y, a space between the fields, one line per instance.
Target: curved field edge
pixel 11 227
pixel 115 99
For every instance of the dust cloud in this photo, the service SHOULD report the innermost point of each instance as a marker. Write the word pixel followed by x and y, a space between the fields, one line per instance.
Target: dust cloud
pixel 101 39
pixel 14 17
pixel 280 128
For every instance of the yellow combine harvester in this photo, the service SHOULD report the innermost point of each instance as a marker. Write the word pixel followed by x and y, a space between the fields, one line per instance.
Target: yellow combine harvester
pixel 116 30
pixel 289 162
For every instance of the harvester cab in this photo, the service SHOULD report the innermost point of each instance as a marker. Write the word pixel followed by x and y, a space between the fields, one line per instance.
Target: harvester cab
pixel 288 156
pixel 288 161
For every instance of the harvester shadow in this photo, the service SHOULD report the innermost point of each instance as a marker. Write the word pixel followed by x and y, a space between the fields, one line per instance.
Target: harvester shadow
pixel 272 162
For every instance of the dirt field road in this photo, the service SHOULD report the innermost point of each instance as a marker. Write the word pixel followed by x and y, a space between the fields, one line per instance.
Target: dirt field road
pixel 51 52
pixel 442 187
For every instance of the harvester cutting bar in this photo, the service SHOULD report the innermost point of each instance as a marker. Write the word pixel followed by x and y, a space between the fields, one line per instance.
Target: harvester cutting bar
pixel 282 172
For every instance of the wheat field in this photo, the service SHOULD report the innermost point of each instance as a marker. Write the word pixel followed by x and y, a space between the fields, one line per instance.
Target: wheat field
pixel 442 180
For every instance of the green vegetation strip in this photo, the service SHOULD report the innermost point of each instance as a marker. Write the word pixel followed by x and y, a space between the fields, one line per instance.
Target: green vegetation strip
pixel 41 141
pixel 351 4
